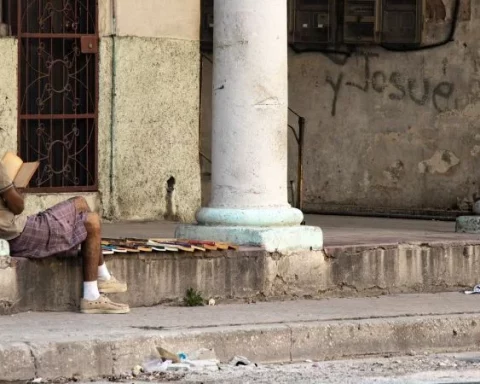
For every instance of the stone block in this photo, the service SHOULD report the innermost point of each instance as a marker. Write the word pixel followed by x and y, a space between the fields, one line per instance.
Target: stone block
pixel 468 224
pixel 16 363
pixel 265 343
pixel 336 340
pixel 304 273
pixel 50 284
pixel 9 295
pixel 129 352
pixel 86 358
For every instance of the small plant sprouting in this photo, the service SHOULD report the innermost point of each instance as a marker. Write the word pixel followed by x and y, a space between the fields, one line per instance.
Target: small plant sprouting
pixel 193 298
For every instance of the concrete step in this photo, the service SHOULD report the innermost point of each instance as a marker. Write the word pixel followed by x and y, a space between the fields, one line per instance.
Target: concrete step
pixel 52 345
pixel 54 284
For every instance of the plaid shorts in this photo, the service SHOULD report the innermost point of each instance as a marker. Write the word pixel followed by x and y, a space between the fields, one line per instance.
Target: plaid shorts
pixel 56 230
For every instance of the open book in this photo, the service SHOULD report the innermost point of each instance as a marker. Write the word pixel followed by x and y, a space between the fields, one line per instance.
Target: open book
pixel 17 170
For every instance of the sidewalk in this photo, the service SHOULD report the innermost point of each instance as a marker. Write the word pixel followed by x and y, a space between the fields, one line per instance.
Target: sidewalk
pixel 338 230
pixel 50 345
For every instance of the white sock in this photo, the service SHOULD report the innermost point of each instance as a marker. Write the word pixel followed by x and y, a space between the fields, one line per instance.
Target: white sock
pixel 90 290
pixel 103 272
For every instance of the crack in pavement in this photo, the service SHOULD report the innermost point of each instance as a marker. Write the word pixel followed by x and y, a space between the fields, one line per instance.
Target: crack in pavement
pixel 34 358
pixel 287 322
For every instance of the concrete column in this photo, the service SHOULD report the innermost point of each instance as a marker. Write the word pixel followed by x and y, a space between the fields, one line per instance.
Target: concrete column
pixel 249 202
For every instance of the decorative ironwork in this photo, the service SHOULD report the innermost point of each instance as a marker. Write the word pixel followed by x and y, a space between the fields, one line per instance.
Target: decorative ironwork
pixel 59 16
pixel 56 78
pixel 64 154
pixel 58 92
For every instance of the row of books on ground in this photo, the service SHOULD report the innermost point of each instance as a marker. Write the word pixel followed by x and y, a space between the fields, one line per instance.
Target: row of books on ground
pixel 133 245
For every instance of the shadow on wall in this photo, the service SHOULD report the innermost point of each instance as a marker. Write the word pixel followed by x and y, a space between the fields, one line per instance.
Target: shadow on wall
pixel 170 207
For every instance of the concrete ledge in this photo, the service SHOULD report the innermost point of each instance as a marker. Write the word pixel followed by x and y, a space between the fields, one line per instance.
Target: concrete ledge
pixel 272 239
pixel 468 224
pixel 261 343
pixel 343 271
pixel 54 284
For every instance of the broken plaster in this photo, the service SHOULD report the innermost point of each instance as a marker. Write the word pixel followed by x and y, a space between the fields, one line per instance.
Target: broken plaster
pixel 441 162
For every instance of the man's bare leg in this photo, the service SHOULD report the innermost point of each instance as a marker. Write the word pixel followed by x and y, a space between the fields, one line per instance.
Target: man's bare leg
pixel 91 250
pixel 92 254
pixel 106 283
pixel 81 204
pixel 96 275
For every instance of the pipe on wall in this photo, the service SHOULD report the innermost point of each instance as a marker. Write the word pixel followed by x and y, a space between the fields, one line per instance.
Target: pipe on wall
pixel 113 97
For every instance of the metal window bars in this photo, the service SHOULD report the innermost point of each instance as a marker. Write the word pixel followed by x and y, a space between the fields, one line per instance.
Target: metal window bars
pixel 57 90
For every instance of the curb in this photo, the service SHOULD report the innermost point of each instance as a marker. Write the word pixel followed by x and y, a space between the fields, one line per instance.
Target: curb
pixel 266 343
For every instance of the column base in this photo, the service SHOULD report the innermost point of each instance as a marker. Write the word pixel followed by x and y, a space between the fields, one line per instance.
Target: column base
pixel 272 239
pixel 468 224
pixel 251 217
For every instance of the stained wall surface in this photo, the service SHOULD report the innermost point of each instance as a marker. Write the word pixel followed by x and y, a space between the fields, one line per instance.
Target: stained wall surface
pixel 149 98
pixel 386 131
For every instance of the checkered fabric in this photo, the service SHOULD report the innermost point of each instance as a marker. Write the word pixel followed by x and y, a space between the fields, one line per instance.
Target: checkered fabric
pixel 56 230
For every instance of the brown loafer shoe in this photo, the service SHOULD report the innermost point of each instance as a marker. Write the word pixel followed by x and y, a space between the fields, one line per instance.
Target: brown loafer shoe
pixel 111 286
pixel 103 305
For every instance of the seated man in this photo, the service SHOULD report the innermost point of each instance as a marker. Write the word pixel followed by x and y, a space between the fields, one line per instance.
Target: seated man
pixel 61 228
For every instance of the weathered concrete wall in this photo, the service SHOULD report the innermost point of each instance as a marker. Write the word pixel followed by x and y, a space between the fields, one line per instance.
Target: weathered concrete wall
pixel 206 127
pixel 387 130
pixel 152 61
pixel 8 94
pixel 150 58
pixel 54 284
pixel 149 76
pixel 36 202
pixel 105 168
pixel 390 130
pixel 156 129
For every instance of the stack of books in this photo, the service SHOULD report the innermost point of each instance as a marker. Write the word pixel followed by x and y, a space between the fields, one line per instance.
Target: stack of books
pixel 133 245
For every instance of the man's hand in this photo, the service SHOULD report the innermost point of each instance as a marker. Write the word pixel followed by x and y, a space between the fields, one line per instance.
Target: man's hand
pixel 14 201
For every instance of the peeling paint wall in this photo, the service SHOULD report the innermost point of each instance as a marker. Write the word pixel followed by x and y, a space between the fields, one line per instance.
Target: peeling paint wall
pixel 387 131
pixel 393 130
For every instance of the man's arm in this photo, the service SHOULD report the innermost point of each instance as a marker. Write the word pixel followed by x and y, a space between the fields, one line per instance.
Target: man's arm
pixel 14 200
